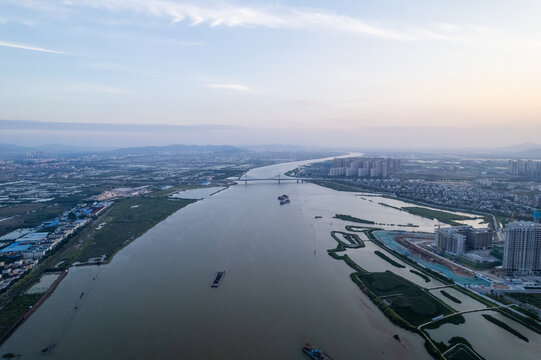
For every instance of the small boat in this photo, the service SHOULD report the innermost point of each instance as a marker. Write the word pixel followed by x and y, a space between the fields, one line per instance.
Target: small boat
pixel 314 352
pixel 286 201
pixel 219 276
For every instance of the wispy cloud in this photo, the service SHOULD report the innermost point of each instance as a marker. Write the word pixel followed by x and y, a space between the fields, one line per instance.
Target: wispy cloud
pixel 228 14
pixel 29 47
pixel 235 87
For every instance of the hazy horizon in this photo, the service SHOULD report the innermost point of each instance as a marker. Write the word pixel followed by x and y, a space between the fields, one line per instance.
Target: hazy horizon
pixel 387 73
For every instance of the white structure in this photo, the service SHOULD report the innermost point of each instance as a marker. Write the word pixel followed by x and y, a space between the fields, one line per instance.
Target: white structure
pixel 522 253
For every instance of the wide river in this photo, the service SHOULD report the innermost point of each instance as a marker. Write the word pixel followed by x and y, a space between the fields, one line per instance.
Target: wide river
pixel 153 301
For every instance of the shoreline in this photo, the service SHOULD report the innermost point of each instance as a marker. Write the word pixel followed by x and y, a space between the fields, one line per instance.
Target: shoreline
pixel 30 311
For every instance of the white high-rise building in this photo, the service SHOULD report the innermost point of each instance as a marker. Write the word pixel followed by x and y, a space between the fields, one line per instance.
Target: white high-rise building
pixel 522 252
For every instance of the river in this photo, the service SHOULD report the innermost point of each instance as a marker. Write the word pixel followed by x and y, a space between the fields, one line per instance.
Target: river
pixel 153 301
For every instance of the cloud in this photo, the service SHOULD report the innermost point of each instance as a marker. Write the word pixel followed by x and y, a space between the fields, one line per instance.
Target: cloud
pixel 29 47
pixel 227 14
pixel 235 87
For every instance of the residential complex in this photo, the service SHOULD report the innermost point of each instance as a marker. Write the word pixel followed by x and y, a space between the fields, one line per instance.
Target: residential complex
pixel 522 252
pixel 528 168
pixel 458 239
pixel 364 167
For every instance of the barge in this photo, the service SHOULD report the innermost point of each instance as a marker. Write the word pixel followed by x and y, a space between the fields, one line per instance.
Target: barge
pixel 314 352
pixel 219 276
pixel 284 199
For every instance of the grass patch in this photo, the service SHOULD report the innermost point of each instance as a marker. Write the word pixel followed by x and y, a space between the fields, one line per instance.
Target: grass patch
pixel 442 216
pixel 388 283
pixel 531 299
pixel 503 325
pixel 353 219
pixel 15 309
pixel 409 301
pixel 426 278
pixel 451 297
pixel 388 259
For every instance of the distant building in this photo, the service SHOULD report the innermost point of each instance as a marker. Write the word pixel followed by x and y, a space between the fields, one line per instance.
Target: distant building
pixel 364 167
pixel 527 168
pixel 522 252
pixel 458 239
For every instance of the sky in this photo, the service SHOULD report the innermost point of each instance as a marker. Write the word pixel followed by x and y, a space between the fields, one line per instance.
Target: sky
pixel 389 73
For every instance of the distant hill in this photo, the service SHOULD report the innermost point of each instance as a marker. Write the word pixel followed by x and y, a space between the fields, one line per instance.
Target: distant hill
pixel 176 149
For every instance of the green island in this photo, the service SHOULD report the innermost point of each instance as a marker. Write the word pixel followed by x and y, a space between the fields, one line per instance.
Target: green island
pixel 503 325
pixel 353 219
pixel 442 216
pixel 425 278
pixel 450 297
pixel 353 239
pixel 388 259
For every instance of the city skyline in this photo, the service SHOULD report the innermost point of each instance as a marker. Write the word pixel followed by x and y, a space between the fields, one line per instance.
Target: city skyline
pixel 384 73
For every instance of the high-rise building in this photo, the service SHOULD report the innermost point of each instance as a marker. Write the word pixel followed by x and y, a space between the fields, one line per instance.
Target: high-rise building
pixel 364 167
pixel 522 252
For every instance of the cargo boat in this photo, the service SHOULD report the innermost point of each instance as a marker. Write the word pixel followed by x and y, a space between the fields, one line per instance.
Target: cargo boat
pixel 314 352
pixel 284 199
pixel 219 276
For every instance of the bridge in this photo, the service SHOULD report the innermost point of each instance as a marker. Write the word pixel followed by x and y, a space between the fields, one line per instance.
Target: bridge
pixel 279 178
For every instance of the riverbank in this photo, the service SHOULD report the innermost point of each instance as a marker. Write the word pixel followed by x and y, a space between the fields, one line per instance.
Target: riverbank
pixel 96 244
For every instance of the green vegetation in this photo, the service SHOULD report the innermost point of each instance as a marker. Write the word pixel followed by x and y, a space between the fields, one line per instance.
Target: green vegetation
pixel 530 298
pixel 388 259
pixel 409 301
pixel 342 247
pixel 426 278
pixel 125 222
pixel 442 216
pixel 456 319
pixel 450 297
pixel 387 283
pixel 15 309
pixel 353 239
pixel 461 351
pixel 505 326
pixel 353 219
pixel 530 323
